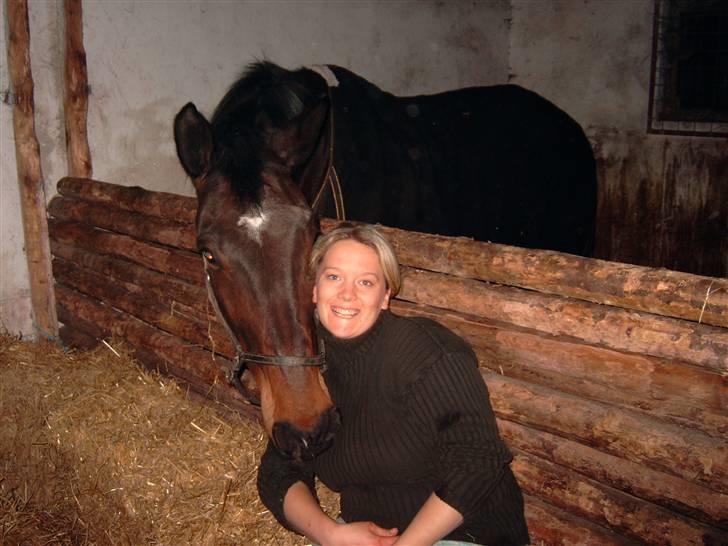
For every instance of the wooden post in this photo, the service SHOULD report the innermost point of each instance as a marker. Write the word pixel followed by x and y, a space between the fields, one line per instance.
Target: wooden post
pixel 30 177
pixel 76 93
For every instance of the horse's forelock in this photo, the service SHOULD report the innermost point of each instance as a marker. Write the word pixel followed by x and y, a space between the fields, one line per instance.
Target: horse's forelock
pixel 265 91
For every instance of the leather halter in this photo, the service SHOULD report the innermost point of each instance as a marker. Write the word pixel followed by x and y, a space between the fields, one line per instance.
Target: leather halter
pixel 242 357
pixel 331 179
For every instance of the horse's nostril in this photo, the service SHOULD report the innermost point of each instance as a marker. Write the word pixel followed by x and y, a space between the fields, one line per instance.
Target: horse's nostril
pixel 299 445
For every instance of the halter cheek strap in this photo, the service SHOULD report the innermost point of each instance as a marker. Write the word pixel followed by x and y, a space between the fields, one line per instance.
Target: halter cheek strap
pixel 331 178
pixel 241 357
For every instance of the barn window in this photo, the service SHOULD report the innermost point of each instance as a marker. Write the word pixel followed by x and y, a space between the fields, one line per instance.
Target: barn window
pixel 689 84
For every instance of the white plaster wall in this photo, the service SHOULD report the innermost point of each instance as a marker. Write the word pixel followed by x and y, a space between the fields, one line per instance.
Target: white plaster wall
pixel 148 58
pixel 590 57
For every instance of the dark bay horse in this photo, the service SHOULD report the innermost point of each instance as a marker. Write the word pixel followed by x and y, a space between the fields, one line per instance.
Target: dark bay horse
pixel 283 147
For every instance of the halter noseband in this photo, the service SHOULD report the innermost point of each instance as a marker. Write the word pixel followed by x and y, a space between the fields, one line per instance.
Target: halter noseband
pixel 241 357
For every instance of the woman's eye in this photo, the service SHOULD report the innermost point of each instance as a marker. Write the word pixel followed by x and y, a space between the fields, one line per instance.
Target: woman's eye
pixel 367 283
pixel 332 277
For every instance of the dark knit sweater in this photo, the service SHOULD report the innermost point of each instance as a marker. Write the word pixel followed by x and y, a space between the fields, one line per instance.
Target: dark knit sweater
pixel 416 419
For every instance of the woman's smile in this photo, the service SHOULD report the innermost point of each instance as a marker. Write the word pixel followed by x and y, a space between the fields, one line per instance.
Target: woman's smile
pixel 350 289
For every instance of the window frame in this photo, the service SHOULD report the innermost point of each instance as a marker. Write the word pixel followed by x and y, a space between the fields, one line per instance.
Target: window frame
pixel 664 115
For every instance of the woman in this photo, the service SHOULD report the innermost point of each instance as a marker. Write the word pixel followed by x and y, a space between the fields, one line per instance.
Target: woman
pixel 418 457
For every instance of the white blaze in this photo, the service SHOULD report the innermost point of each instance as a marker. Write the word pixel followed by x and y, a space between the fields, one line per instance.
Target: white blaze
pixel 253 224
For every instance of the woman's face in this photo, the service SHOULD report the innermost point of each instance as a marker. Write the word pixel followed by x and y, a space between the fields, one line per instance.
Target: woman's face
pixel 350 289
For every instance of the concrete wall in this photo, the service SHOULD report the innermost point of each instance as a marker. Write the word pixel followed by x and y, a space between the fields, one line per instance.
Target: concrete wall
pixel 591 58
pixel 663 200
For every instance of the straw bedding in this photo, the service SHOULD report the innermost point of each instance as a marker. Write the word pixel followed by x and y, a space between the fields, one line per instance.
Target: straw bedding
pixel 96 450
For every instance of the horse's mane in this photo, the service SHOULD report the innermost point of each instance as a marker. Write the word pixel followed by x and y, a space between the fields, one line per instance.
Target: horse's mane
pixel 266 96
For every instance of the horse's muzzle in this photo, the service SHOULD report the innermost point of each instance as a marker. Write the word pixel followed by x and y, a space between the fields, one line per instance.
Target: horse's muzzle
pixel 300 445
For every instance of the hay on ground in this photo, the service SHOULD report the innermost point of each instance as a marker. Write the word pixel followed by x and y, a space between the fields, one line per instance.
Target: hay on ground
pixel 97 450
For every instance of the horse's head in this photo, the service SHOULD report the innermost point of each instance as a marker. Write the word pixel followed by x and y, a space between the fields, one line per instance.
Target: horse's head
pixel 250 166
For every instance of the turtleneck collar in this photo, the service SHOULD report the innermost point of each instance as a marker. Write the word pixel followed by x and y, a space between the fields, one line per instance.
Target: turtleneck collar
pixel 352 347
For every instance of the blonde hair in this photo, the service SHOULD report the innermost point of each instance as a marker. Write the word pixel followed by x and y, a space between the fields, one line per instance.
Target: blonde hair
pixel 365 235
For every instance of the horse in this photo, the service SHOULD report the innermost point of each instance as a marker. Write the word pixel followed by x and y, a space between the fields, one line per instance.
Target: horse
pixel 284 147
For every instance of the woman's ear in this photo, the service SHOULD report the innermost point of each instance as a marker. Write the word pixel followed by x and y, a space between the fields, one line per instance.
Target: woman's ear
pixel 385 302
pixel 314 296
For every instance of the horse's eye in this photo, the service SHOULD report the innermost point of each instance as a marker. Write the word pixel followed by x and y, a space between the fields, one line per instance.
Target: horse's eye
pixel 209 258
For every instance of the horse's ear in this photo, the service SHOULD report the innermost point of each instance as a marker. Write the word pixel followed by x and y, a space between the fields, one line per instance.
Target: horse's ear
pixel 193 137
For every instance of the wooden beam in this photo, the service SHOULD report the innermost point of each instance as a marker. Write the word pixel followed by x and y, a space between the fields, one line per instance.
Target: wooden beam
pixel 699 344
pixel 625 514
pixel 159 350
pixel 76 92
pixel 131 198
pixel 685 453
pixel 641 382
pixel 163 313
pixel 140 226
pixel 659 291
pixel 178 263
pixel 668 293
pixel 671 492
pixel 128 234
pixel 161 286
pixel 30 176
pixel 549 525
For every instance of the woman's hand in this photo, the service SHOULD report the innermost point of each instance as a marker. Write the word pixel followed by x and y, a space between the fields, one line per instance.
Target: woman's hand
pixel 304 513
pixel 434 520
pixel 360 533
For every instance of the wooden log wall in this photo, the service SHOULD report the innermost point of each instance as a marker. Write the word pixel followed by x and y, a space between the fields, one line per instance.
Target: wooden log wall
pixel 608 380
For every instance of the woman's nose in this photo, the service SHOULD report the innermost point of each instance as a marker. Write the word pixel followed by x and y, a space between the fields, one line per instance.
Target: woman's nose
pixel 347 291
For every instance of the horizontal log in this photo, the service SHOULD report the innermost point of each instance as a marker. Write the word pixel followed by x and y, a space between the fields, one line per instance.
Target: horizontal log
pixel 166 315
pixel 83 334
pixel 178 263
pixel 670 492
pixel 623 513
pixel 687 395
pixel 698 344
pixel 550 525
pixel 131 198
pixel 616 385
pixel 72 337
pixel 619 379
pixel 597 373
pixel 187 362
pixel 659 291
pixel 159 285
pixel 671 449
pixel 111 218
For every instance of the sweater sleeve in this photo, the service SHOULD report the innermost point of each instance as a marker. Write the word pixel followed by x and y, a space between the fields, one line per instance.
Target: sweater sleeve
pixel 469 458
pixel 276 475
